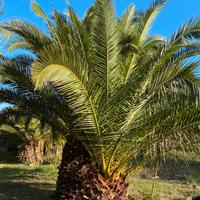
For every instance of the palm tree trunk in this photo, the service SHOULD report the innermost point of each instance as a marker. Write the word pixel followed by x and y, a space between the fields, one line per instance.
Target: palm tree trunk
pixel 31 153
pixel 26 154
pixel 38 151
pixel 78 179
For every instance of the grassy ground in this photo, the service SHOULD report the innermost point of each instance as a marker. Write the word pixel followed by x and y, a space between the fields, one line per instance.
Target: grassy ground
pixel 165 190
pixel 27 183
pixel 176 181
pixel 21 182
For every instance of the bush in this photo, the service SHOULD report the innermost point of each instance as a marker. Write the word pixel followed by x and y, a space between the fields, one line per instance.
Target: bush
pixel 53 159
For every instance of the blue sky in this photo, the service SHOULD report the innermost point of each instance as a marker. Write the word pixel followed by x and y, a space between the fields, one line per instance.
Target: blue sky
pixel 175 13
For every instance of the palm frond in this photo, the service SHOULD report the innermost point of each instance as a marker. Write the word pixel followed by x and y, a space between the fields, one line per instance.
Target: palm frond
pixel 126 21
pixel 146 21
pixel 30 37
pixel 106 39
pixel 79 101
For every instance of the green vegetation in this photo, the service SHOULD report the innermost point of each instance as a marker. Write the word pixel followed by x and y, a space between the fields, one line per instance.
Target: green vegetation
pixel 165 190
pixel 32 138
pixel 122 97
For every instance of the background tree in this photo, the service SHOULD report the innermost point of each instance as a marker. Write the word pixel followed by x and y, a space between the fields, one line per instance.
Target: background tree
pixel 17 89
pixel 32 137
pixel 126 92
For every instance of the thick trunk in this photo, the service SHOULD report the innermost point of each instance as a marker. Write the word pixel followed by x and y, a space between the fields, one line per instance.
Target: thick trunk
pixel 78 179
pixel 31 153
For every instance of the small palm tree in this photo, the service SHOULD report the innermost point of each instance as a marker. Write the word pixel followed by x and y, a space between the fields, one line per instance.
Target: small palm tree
pixel 31 137
pixel 129 95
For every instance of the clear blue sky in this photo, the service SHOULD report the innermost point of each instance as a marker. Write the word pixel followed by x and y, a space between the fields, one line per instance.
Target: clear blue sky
pixel 175 13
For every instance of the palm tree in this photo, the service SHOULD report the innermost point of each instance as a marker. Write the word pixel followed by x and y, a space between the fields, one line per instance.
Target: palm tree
pixel 31 136
pixel 129 95
pixel 17 89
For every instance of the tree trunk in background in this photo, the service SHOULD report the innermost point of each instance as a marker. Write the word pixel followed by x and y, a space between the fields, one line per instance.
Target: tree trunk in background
pixel 78 179
pixel 31 153
pixel 39 151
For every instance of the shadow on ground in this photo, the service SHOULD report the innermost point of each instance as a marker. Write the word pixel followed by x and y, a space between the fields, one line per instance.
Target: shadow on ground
pixel 11 191
pixel 20 182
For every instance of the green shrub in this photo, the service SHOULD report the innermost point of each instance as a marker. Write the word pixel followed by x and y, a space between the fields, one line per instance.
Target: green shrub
pixel 53 159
